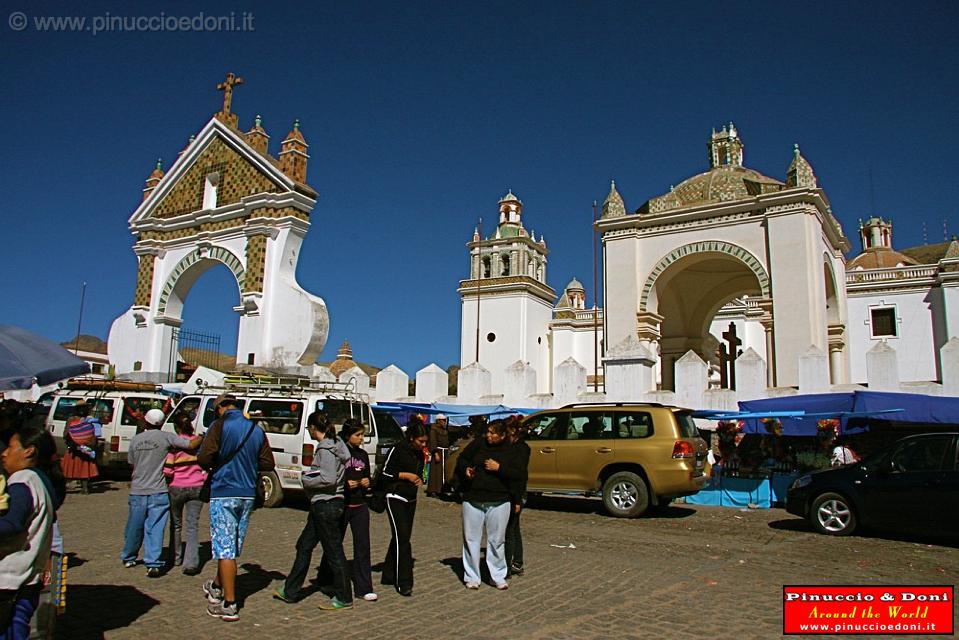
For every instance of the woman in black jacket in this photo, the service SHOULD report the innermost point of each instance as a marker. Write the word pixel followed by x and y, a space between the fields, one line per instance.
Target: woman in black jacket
pixel 492 468
pixel 403 473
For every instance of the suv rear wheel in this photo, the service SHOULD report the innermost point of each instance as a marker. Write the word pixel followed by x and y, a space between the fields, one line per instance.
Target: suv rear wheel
pixel 625 495
pixel 272 492
pixel 832 514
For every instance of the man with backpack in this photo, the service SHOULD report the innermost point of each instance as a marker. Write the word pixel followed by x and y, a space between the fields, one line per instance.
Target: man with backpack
pixel 233 451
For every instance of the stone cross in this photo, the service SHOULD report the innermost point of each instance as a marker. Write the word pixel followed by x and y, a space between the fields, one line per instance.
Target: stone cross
pixel 227 89
pixel 733 352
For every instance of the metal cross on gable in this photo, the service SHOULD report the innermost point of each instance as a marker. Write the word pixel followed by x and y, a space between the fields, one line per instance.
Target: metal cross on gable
pixel 227 88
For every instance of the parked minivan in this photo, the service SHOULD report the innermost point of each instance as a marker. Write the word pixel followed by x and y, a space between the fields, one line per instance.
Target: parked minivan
pixel 280 406
pixel 120 407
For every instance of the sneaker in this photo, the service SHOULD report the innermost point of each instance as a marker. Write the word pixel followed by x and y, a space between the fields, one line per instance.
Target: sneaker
pixel 129 564
pixel 153 572
pixel 406 593
pixel 335 604
pixel 280 594
pixel 472 585
pixel 223 611
pixel 502 586
pixel 191 571
pixel 517 570
pixel 371 597
pixel 214 594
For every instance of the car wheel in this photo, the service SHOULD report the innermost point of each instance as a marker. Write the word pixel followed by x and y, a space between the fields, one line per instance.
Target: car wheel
pixel 832 514
pixel 272 492
pixel 625 495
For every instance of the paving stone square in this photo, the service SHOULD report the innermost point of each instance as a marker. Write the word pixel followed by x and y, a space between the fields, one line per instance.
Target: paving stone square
pixel 691 572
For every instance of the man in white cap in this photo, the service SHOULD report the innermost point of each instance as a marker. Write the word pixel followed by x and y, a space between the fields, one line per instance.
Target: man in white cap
pixel 438 443
pixel 149 501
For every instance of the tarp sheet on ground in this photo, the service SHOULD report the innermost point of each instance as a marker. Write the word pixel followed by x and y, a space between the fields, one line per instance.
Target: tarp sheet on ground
pixel 854 410
pixel 458 414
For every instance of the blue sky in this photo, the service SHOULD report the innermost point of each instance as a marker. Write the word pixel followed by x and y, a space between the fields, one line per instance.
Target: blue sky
pixel 420 115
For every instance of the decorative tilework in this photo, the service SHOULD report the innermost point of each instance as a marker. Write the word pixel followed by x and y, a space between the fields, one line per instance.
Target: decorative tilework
pixel 255 263
pixel 238 178
pixel 144 291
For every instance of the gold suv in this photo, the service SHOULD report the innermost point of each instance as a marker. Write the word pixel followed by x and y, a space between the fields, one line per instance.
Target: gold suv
pixel 638 455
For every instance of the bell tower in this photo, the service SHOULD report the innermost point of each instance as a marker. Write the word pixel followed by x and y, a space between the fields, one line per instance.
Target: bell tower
pixel 506 303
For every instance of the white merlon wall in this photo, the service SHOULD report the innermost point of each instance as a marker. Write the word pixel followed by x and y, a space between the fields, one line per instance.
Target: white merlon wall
pixel 361 381
pixel 814 371
pixel 629 378
pixel 392 383
pixel 431 383
pixel 472 383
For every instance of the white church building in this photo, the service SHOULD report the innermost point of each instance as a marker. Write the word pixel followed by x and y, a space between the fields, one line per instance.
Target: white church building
pixel 729 262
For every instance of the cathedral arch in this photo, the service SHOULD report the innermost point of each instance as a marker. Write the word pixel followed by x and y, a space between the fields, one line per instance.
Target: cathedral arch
pixel 705 247
pixel 189 269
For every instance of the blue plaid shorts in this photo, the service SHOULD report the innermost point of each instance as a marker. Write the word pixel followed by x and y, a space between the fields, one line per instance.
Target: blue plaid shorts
pixel 229 520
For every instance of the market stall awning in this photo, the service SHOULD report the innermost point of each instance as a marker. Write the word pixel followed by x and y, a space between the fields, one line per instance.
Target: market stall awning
pixel 458 414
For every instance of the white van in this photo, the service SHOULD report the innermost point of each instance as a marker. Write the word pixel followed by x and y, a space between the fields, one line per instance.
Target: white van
pixel 281 406
pixel 120 407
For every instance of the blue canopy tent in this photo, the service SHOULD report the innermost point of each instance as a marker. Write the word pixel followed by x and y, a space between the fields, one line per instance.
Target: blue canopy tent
pixel 854 410
pixel 458 414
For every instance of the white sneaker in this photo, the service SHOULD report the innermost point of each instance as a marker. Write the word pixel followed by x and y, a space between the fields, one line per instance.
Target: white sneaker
pixel 371 597
pixel 502 586
pixel 472 585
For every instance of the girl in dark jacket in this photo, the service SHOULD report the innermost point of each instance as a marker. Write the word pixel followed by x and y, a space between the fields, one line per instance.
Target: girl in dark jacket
pixel 516 435
pixel 491 467
pixel 403 473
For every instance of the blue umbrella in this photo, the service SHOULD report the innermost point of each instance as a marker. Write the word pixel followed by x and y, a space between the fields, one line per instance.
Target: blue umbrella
pixel 25 357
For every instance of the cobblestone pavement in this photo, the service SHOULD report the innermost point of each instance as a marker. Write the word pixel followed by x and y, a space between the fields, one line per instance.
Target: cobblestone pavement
pixel 692 572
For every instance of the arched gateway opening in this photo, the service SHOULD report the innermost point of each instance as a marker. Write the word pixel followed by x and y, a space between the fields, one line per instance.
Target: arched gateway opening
pixel 688 287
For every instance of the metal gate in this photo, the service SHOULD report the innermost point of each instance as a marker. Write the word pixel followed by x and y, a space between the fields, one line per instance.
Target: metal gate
pixel 195 348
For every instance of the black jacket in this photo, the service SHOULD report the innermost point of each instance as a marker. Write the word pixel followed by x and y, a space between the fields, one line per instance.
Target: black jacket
pixel 492 486
pixel 402 458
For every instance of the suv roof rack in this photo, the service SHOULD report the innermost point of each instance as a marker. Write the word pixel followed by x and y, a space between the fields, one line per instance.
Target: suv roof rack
pixel 612 404
pixel 259 384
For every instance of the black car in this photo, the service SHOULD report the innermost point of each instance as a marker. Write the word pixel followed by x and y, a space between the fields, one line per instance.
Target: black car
pixel 911 486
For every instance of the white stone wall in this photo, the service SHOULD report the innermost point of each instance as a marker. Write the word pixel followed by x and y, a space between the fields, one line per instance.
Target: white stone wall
pixel 915 345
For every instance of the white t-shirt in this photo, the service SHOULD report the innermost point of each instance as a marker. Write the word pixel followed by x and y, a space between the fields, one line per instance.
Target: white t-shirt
pixel 843 455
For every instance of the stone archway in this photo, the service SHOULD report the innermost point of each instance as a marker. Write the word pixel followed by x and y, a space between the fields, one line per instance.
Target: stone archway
pixel 688 287
pixel 189 269
pixel 224 201
pixel 704 247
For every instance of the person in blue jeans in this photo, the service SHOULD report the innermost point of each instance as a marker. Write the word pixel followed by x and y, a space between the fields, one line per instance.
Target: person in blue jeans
pixel 149 501
pixel 324 484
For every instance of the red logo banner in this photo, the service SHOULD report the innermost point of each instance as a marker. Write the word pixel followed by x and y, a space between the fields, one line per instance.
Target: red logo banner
pixel 850 609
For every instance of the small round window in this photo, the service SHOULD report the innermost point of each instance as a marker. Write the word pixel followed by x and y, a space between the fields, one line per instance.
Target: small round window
pixel 490 337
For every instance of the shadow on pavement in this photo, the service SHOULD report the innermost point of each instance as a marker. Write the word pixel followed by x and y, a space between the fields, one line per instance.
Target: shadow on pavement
pixel 88 617
pixel 579 504
pixel 255 579
pixel 456 565
pixel 941 540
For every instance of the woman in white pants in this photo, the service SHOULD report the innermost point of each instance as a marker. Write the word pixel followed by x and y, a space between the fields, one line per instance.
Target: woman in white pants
pixel 488 466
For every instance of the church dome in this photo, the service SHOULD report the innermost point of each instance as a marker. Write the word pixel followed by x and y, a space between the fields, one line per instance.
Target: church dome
pixel 509 197
pixel 880 258
pixel 575 285
pixel 720 184
pixel 344 360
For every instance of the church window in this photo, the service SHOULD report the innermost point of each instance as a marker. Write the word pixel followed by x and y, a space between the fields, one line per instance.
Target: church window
pixel 209 190
pixel 487 266
pixel 491 337
pixel 505 268
pixel 883 322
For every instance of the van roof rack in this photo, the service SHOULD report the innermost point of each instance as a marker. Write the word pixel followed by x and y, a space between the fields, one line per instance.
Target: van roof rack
pixel 263 384
pixel 99 384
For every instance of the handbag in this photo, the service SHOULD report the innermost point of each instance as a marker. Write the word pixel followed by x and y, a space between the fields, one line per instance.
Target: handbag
pixel 205 489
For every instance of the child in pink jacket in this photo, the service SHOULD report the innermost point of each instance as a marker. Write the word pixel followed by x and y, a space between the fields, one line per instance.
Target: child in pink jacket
pixel 186 479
